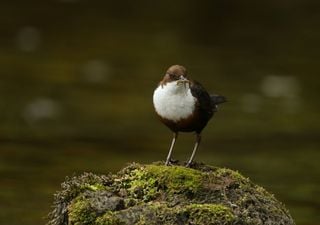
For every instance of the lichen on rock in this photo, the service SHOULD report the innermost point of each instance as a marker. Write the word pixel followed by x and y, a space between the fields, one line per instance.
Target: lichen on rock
pixel 156 194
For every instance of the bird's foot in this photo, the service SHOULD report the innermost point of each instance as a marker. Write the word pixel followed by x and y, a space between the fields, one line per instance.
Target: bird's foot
pixel 189 164
pixel 171 162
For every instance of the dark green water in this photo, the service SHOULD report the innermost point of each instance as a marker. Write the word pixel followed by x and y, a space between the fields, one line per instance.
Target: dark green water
pixel 76 84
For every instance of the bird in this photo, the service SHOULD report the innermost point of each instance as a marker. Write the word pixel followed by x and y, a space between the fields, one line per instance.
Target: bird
pixel 184 105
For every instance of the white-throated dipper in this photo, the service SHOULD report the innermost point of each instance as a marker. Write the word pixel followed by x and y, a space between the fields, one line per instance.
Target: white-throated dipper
pixel 183 105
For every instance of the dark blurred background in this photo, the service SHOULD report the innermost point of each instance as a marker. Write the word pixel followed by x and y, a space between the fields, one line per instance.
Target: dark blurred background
pixel 76 85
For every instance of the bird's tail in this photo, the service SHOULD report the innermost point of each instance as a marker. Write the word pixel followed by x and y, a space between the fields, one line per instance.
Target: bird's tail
pixel 218 99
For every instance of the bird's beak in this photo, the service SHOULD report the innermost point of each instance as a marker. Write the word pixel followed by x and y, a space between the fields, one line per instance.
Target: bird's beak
pixel 184 81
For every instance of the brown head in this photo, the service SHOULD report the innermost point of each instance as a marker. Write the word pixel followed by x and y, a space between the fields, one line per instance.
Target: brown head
pixel 175 73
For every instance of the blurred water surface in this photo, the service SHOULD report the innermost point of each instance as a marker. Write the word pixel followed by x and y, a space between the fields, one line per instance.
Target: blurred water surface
pixel 76 83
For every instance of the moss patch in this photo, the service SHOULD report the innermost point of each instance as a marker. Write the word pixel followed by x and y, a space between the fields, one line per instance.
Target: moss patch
pixel 209 214
pixel 149 181
pixel 108 218
pixel 80 212
pixel 157 194
pixel 160 213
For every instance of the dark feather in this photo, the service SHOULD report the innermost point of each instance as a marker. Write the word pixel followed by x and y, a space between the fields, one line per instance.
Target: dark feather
pixel 218 99
pixel 208 103
pixel 203 98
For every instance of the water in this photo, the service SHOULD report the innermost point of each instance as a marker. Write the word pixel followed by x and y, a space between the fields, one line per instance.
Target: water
pixel 76 90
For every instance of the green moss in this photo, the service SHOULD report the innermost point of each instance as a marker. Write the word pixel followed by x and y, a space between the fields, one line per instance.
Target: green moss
pixel 235 176
pixel 74 186
pixel 200 214
pixel 108 219
pixel 80 212
pixel 209 214
pixel 159 213
pixel 147 182
pixel 176 178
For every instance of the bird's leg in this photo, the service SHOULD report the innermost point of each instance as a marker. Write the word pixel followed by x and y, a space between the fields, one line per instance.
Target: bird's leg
pixel 175 136
pixel 198 139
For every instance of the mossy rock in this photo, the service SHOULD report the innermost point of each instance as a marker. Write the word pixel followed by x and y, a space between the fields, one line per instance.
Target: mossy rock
pixel 157 194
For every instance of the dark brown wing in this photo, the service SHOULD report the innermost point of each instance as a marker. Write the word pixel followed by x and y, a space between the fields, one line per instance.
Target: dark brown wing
pixel 204 100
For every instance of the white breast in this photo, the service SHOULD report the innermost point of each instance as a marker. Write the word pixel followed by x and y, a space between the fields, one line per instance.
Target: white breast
pixel 173 102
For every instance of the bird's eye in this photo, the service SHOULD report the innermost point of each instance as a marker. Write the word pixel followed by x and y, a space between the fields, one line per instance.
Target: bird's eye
pixel 173 76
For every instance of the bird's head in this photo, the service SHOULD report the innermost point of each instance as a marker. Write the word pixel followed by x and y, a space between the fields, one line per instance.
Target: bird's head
pixel 177 74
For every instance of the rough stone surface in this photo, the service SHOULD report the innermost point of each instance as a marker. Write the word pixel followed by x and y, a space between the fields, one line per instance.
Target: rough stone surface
pixel 157 194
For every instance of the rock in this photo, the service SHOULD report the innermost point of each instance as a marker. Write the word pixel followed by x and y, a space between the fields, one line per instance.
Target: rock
pixel 157 194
